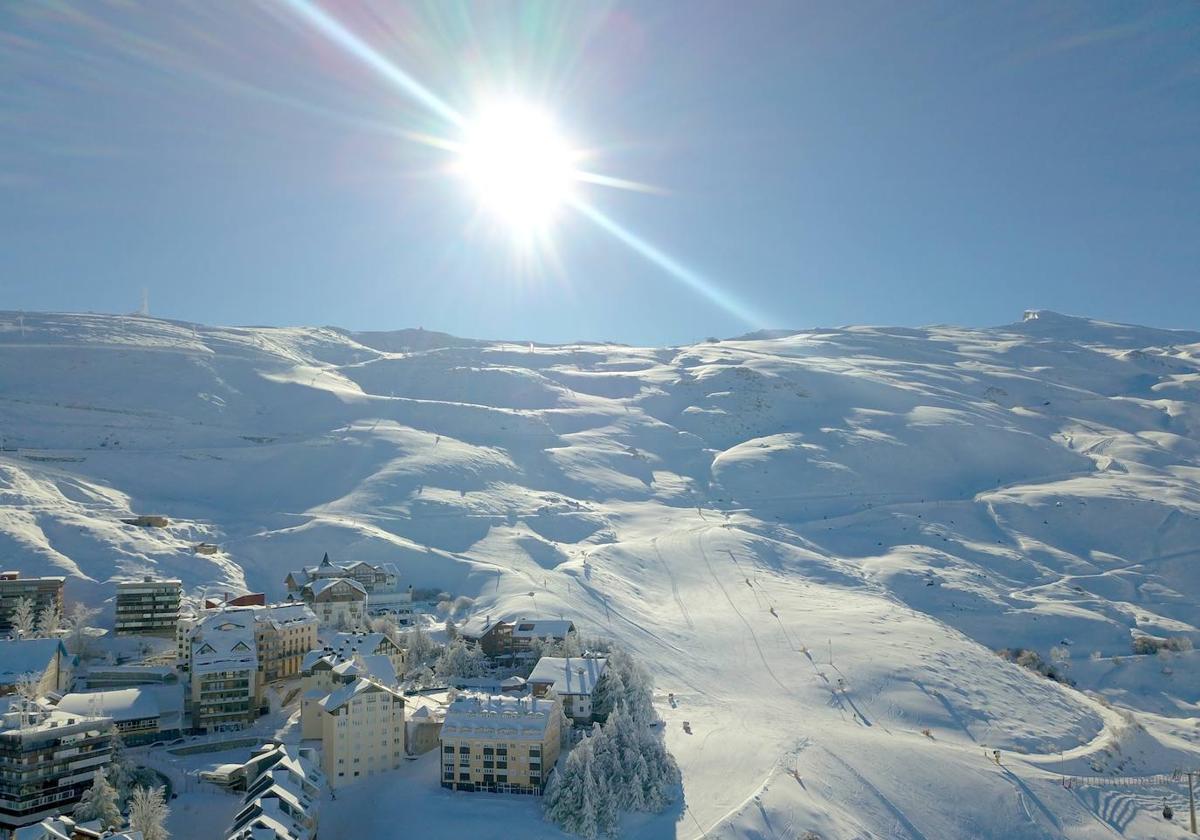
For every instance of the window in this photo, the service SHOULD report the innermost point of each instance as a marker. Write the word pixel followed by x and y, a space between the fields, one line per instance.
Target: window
pixel 464 777
pixel 448 748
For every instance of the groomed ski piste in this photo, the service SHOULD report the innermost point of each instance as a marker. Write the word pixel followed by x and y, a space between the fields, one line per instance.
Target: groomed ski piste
pixel 816 541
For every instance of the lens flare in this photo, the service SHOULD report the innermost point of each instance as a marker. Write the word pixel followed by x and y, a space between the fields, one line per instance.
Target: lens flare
pixel 518 165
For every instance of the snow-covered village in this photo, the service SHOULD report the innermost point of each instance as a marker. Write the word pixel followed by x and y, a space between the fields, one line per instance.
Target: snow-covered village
pixel 640 419
pixel 271 706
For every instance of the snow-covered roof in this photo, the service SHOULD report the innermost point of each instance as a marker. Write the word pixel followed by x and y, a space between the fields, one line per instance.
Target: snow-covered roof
pixel 27 656
pixel 38 716
pixel 572 675
pixel 347 644
pixel 65 828
pixel 523 627
pixel 511 718
pixel 224 638
pixel 319 587
pixel 164 702
pixel 343 694
pixel 542 628
pixel 282 615
pixel 422 708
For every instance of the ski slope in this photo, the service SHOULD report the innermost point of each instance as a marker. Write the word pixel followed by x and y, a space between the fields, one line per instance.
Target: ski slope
pixel 816 540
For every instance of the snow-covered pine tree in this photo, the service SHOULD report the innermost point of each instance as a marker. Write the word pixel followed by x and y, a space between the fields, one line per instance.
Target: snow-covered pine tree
pixel 608 812
pixel 148 813
pixel 458 660
pixel 99 802
pixel 564 722
pixel 119 772
pixel 610 690
pixel 572 800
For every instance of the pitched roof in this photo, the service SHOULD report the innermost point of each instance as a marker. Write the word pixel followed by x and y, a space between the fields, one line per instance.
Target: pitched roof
pixel 319 587
pixel 569 675
pixel 542 628
pixel 340 696
pixel 19 657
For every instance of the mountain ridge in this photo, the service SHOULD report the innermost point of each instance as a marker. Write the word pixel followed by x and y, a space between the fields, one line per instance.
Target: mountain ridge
pixel 815 539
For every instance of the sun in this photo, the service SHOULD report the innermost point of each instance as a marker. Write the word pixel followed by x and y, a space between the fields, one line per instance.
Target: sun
pixel 520 169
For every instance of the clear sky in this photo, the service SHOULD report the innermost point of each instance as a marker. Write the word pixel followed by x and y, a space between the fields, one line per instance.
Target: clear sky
pixel 815 164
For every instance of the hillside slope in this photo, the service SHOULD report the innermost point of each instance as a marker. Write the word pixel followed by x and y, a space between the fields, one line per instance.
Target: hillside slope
pixel 815 539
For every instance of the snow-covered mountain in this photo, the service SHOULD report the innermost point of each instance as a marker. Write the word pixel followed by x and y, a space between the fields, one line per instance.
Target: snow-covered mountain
pixel 817 540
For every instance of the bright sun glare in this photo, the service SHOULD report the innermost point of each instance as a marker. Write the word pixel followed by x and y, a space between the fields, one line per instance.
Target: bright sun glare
pixel 518 165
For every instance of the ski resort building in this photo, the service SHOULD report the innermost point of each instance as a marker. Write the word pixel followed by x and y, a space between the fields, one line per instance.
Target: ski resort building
pixel 381 583
pixel 283 634
pixel 46 660
pixel 514 639
pixel 148 607
pixel 362 731
pixel 225 686
pixel 43 591
pixel 499 744
pixel 337 602
pixel 48 759
pixel 283 793
pixel 573 679
pixel 349 656
pixel 141 715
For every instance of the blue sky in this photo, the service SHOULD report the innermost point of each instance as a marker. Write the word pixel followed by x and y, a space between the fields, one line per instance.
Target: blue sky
pixel 818 164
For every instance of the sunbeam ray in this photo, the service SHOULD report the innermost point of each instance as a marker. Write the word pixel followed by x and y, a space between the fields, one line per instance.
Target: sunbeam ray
pixel 669 265
pixel 328 25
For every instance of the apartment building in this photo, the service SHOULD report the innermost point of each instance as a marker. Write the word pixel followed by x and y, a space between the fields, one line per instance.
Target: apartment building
pixel 225 686
pixel 382 582
pixel 44 591
pixel 572 678
pixel 283 792
pixel 47 759
pixel 343 658
pixel 362 731
pixel 499 744
pixel 149 607
pixel 337 602
pixel 284 633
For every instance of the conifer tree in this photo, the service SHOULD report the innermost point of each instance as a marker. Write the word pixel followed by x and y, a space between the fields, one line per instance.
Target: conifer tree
pixel 99 802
